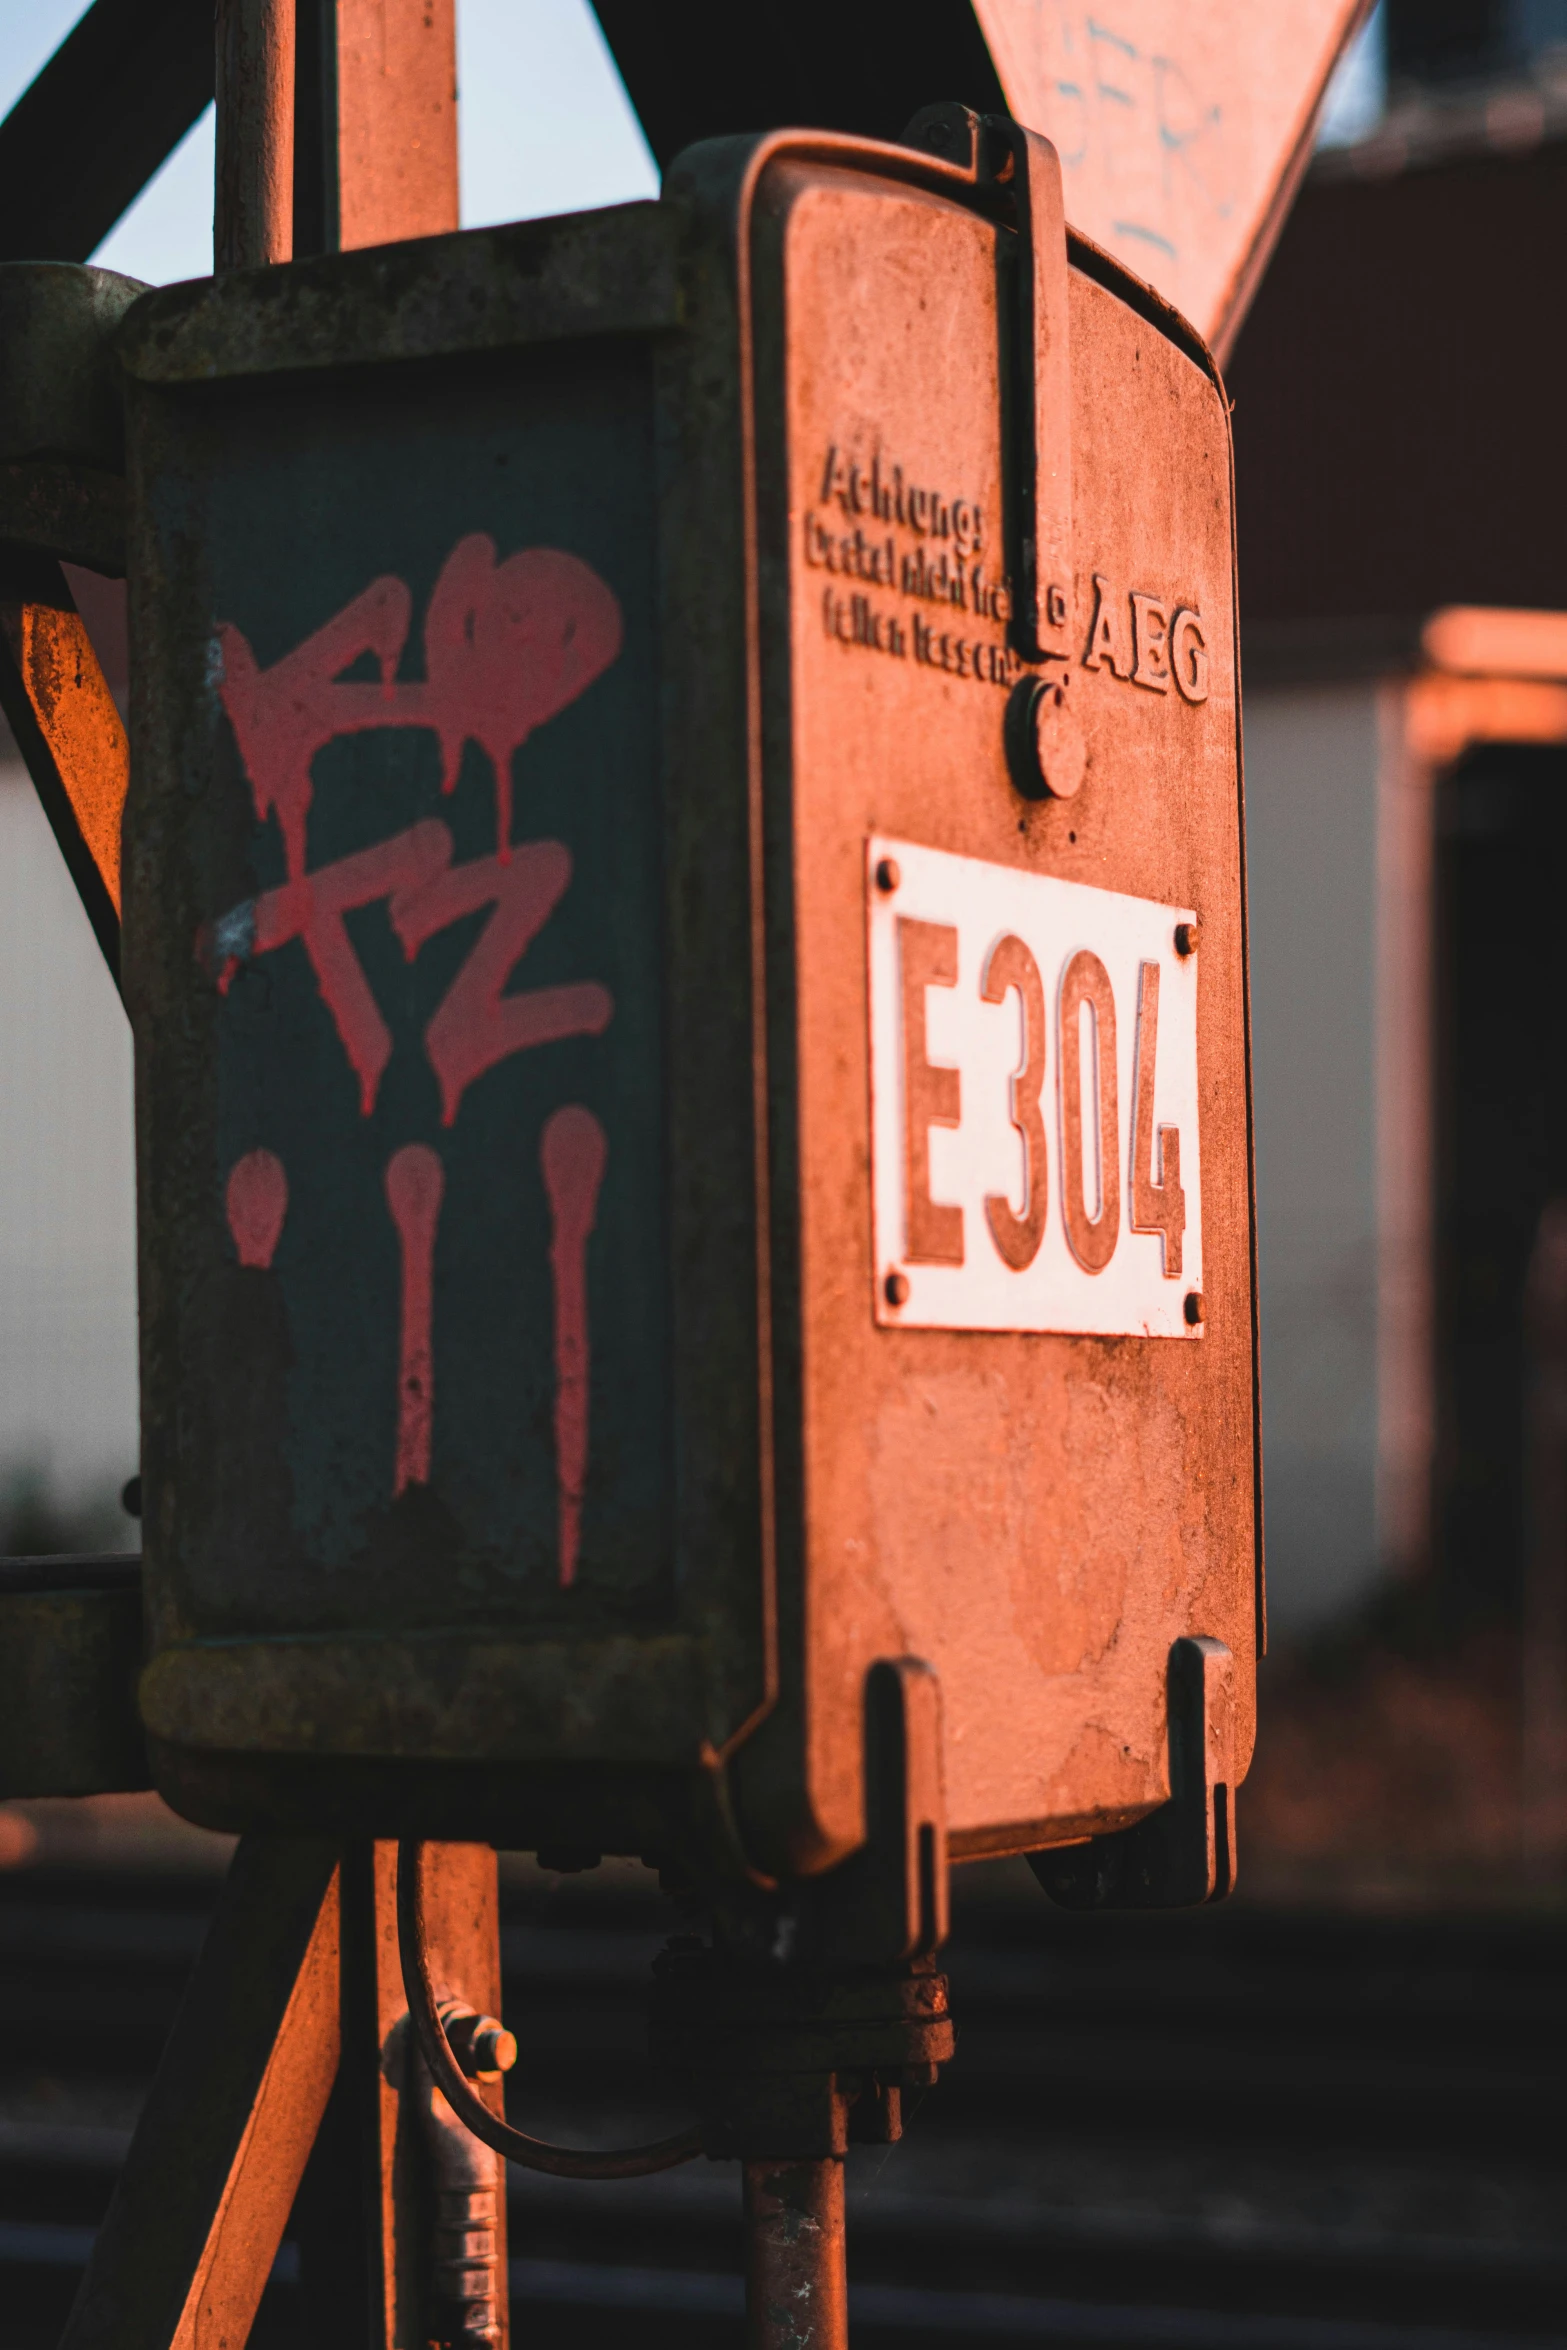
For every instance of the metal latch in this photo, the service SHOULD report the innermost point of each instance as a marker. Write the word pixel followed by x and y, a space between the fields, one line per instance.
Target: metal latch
pixel 1017 163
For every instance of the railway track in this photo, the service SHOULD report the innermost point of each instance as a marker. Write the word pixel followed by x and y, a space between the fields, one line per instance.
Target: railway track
pixel 1244 2130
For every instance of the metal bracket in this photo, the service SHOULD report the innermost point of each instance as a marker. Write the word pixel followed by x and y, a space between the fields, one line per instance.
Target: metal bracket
pixel 1183 1854
pixel 1012 160
pixel 70 1654
pixel 887 1903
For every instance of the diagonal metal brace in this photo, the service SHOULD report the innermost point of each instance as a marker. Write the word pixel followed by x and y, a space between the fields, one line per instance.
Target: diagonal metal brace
pixel 188 2244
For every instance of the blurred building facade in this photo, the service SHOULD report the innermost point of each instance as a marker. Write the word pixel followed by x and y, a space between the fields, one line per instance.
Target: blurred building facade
pixel 1402 498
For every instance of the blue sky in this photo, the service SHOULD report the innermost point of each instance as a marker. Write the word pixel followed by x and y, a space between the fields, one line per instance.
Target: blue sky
pixel 544 126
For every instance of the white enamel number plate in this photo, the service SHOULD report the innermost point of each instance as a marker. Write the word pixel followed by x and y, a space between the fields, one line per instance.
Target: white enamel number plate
pixel 1036 1162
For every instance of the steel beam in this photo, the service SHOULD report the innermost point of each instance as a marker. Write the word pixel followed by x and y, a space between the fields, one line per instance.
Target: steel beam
pixel 184 2254
pixel 696 69
pixel 86 136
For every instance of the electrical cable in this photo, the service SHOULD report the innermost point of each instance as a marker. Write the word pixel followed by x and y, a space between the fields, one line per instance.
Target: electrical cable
pixel 562 2162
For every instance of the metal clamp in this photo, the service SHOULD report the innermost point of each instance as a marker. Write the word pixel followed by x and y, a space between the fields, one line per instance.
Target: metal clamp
pixel 794 2061
pixel 425 2014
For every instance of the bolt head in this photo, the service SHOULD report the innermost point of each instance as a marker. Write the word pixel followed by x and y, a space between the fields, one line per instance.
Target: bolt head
pixel 1196 1310
pixel 896 1289
pixel 1187 937
pixel 481 2043
pixel 888 874
pixel 1046 753
pixel 494 2048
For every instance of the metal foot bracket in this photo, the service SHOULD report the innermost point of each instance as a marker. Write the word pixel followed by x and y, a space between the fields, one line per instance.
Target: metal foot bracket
pixel 1183 1854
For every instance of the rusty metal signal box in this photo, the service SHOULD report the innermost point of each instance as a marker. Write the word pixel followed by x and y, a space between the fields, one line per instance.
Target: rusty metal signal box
pixel 684 920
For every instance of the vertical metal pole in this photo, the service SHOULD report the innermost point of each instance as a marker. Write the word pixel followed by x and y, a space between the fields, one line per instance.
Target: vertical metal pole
pixel 253 211
pixel 432 2224
pixel 796 2273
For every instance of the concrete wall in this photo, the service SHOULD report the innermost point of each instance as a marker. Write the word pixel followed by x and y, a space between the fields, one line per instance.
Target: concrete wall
pixel 67 1191
pixel 1313 758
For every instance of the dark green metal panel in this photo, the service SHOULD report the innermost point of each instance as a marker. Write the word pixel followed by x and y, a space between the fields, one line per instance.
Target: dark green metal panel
pixel 388 477
pixel 413 534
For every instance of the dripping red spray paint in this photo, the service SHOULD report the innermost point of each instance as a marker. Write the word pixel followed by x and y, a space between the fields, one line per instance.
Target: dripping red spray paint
pixel 506 646
pixel 256 1202
pixel 477 1024
pixel 573 1154
pixel 414 1184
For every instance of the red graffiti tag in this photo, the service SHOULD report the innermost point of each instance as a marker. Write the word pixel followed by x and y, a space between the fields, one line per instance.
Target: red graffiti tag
pixel 414 1185
pixel 506 646
pixel 257 1202
pixel 475 1025
pixel 311 909
pixel 573 1154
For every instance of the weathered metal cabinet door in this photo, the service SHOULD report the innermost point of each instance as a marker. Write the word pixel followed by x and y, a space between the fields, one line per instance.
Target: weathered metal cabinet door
pixel 1007 1027
pixel 396 910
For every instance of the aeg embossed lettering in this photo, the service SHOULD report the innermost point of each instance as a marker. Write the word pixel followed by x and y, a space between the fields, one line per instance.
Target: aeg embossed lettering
pixel 946 565
pixel 1143 639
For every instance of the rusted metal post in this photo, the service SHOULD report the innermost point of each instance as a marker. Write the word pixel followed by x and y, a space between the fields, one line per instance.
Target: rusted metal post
pixel 798 2061
pixel 377 124
pixel 62 465
pixel 395 71
pixel 69 732
pixel 796 2274
pixel 253 210
pixel 186 2248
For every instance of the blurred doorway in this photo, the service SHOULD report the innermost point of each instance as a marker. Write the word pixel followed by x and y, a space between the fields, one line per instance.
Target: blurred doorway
pixel 1501 1143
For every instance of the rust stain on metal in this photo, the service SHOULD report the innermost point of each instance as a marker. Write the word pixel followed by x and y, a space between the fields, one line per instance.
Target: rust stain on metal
pixel 77 715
